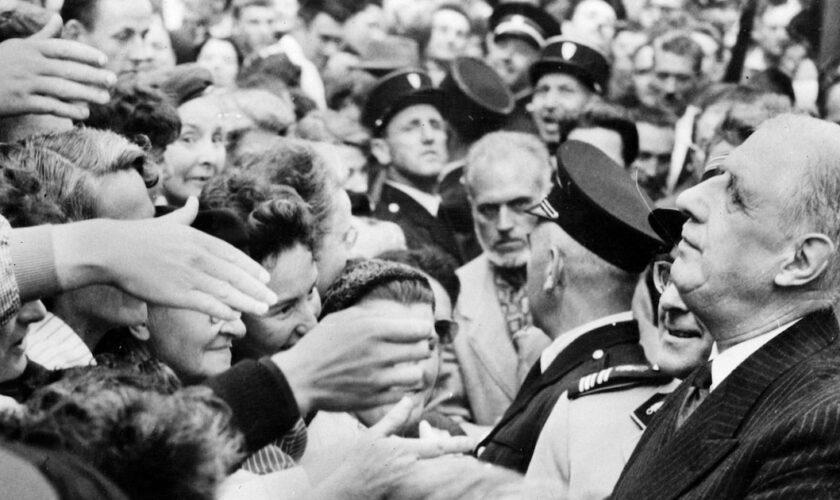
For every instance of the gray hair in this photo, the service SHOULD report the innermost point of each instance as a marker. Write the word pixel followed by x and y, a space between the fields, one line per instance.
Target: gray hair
pixel 506 145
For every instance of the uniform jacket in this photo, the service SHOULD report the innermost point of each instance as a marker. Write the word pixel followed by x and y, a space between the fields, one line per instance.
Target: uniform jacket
pixel 511 443
pixel 484 377
pixel 587 440
pixel 771 429
pixel 420 227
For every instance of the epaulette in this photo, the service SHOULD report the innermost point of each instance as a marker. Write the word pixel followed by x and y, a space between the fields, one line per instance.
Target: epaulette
pixel 618 377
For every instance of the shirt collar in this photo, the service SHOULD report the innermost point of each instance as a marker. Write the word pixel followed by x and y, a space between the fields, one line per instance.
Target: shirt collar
pixel 563 341
pixel 724 363
pixel 431 202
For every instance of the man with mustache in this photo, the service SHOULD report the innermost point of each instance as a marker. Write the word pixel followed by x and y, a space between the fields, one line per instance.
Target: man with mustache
pixel 566 77
pixel 496 345
pixel 403 113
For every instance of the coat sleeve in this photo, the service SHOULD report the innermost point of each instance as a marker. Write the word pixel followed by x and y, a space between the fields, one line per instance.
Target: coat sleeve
pixel 263 404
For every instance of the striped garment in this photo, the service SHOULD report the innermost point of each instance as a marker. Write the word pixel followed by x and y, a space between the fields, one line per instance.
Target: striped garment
pixel 282 454
pixel 54 345
pixel 9 294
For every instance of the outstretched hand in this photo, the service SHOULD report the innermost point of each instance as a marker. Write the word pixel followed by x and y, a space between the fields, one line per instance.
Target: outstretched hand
pixel 43 75
pixel 163 261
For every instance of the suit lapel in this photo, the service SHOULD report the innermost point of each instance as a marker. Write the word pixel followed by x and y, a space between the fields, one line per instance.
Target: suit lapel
pixel 486 331
pixel 673 461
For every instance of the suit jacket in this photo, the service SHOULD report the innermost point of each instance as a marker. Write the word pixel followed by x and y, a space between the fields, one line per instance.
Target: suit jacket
pixel 771 429
pixel 480 376
pixel 419 226
pixel 511 443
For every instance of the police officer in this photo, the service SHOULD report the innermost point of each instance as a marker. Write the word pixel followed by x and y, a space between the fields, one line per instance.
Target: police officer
pixel 519 32
pixel 586 258
pixel 566 77
pixel 403 113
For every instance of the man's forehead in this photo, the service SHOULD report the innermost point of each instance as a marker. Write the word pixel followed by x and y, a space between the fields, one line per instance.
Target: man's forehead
pixel 116 14
pixel 416 112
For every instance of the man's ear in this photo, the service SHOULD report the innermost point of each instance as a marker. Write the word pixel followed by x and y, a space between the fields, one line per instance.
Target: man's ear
pixel 73 30
pixel 554 270
pixel 140 332
pixel 808 262
pixel 380 150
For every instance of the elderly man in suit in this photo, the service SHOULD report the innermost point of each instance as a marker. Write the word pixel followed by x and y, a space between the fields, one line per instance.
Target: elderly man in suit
pixel 758 265
pixel 505 173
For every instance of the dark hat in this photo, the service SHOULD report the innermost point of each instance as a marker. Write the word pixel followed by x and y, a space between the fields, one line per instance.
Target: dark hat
pixel 181 83
pixel 475 97
pixel 217 222
pixel 361 276
pixel 565 56
pixel 525 21
pixel 382 56
pixel 395 92
pixel 597 204
pixel 668 223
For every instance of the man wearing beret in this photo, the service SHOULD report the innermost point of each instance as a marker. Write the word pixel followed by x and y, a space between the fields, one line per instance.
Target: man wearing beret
pixel 586 257
pixel 409 141
pixel 566 77
pixel 757 265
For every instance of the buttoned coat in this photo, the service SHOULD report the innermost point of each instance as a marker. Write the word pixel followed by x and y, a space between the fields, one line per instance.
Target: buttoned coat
pixel 771 429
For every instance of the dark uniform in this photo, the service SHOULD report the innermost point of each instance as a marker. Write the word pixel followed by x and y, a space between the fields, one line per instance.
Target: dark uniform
pixel 596 204
pixel 393 93
pixel 511 443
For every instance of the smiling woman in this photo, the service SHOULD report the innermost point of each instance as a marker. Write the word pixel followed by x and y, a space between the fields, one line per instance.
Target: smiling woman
pixel 198 154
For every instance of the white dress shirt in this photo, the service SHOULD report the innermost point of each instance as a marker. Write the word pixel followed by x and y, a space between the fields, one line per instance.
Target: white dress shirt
pixel 724 363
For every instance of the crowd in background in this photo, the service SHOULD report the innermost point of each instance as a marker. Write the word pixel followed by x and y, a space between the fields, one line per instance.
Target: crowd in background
pixel 419 249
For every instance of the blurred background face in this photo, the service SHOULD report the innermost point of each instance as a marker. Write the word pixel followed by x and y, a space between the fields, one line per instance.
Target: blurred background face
pixel 12 335
pixel 255 27
pixel 286 15
pixel 642 76
pixel 660 11
pixel 219 58
pixel 162 55
pixel 771 29
pixel 325 38
pixel 654 160
pixel 593 23
pixel 674 80
pixel 499 196
pixel 558 98
pixel 198 154
pixel 510 58
pixel 449 36
pixel 431 366
pixel 193 344
pixel 293 277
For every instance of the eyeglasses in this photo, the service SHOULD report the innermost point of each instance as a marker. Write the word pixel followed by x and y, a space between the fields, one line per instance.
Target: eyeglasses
pixel 446 330
pixel 661 275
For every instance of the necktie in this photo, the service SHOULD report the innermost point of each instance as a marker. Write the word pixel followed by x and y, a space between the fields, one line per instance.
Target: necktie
pixel 697 393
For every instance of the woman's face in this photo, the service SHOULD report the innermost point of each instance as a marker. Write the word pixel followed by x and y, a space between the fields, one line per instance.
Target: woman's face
pixel 219 58
pixel 12 334
pixel 198 154
pixel 431 366
pixel 193 344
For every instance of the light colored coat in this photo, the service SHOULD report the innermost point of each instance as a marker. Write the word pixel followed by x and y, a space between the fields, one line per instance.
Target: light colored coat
pixel 479 378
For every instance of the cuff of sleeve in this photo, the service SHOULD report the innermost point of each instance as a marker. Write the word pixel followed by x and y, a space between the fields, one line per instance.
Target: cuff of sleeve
pixel 262 402
pixel 33 259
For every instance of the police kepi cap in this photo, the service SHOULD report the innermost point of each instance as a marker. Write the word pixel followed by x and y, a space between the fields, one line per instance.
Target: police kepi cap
pixel 525 21
pixel 475 97
pixel 596 203
pixel 565 56
pixel 396 91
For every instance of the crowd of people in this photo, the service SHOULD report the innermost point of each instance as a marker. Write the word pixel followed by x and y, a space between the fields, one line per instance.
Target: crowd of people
pixel 428 249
